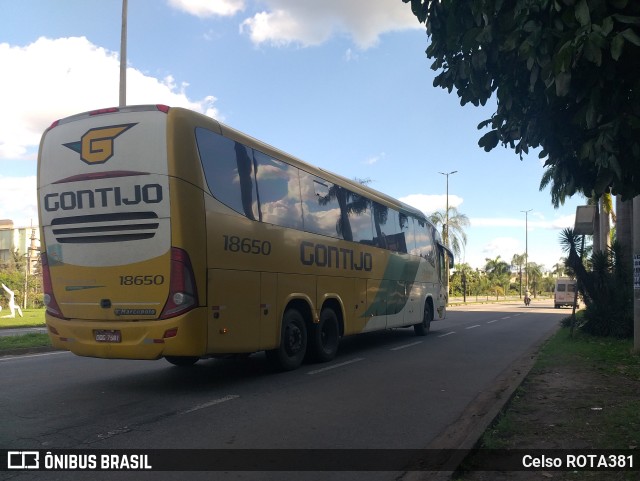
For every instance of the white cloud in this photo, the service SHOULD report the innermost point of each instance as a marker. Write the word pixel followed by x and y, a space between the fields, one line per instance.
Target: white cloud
pixel 496 222
pixel 555 224
pixel 54 78
pixel 501 245
pixel 208 8
pixel 18 200
pixel 431 203
pixel 312 22
pixel 374 159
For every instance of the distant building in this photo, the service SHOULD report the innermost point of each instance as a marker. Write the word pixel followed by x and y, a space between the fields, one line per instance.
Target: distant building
pixel 24 240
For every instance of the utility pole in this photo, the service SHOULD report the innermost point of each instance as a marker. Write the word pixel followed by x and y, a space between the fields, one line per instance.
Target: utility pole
pixel 123 56
pixel 445 230
pixel 526 248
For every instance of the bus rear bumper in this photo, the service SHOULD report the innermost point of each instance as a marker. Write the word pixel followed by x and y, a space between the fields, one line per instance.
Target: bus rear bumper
pixel 185 335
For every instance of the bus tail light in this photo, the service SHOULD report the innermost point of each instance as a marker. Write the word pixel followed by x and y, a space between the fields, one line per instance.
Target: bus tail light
pixel 49 298
pixel 182 286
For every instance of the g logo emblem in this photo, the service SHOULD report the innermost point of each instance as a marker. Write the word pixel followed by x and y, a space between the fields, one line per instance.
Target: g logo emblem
pixel 97 145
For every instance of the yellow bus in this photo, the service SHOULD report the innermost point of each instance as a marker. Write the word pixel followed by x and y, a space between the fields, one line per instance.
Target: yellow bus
pixel 168 234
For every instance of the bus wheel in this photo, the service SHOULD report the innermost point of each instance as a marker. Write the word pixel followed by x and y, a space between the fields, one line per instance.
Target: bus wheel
pixel 293 342
pixel 423 328
pixel 182 361
pixel 325 336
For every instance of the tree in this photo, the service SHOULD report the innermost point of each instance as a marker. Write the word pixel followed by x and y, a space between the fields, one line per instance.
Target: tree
pixel 463 279
pixel 498 272
pixel 518 261
pixel 535 276
pixel 624 228
pixel 457 237
pixel 496 267
pixel 606 289
pixel 564 73
pixel 559 268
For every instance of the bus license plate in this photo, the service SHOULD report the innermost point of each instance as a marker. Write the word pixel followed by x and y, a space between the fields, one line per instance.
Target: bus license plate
pixel 107 336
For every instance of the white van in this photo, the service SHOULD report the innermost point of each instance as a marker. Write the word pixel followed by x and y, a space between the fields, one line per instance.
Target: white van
pixel 564 292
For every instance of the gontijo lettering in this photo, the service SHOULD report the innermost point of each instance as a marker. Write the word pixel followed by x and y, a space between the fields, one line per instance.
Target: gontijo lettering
pixel 103 197
pixel 337 257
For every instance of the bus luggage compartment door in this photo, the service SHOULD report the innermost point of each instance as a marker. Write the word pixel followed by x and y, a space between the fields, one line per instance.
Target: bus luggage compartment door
pixel 234 317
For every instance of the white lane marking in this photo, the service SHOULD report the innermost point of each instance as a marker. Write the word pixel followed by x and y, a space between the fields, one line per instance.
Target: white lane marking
pixel 490 322
pixel 473 327
pixel 508 317
pixel 335 366
pixel 447 334
pixel 27 356
pixel 210 403
pixel 405 346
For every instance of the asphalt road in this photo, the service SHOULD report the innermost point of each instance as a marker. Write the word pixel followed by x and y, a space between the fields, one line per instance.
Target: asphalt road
pixel 384 390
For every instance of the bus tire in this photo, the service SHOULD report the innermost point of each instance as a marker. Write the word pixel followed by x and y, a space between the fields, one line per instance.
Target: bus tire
pixel 325 337
pixel 423 328
pixel 182 361
pixel 293 342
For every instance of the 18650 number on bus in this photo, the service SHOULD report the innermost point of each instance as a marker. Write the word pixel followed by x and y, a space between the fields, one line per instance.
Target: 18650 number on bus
pixel 246 245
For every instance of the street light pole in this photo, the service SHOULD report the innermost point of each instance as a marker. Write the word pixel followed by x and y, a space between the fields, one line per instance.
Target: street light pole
pixel 526 247
pixel 123 56
pixel 445 230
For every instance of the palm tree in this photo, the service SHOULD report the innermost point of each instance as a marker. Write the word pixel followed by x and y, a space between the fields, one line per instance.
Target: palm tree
pixel 496 267
pixel 498 272
pixel 535 271
pixel 518 261
pixel 453 235
pixel 559 268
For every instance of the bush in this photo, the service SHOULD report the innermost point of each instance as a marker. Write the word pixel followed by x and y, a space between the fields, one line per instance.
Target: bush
pixel 607 290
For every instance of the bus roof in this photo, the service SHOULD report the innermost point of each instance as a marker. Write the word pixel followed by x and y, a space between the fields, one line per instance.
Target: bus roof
pixel 352 185
pixel 197 118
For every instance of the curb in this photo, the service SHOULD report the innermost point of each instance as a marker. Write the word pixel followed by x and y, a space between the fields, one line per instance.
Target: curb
pixel 463 434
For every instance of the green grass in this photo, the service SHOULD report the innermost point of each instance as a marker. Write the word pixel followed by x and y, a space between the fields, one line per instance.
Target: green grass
pixel 24 341
pixel 603 354
pixel 615 369
pixel 32 318
pixel 581 392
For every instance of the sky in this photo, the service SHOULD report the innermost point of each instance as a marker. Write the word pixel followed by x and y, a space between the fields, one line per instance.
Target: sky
pixel 341 84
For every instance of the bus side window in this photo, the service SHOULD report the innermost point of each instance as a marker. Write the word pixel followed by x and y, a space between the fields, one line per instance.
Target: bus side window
pixel 424 242
pixel 411 236
pixel 359 217
pixel 405 234
pixel 387 229
pixel 320 208
pixel 278 192
pixel 442 266
pixel 229 171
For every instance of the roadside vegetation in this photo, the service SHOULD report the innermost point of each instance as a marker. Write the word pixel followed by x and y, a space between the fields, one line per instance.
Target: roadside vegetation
pixel 32 318
pixel 580 394
pixel 24 341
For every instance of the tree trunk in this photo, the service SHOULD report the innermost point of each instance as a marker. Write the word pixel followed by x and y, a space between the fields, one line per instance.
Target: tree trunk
pixel 636 274
pixel 597 239
pixel 605 226
pixel 624 227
